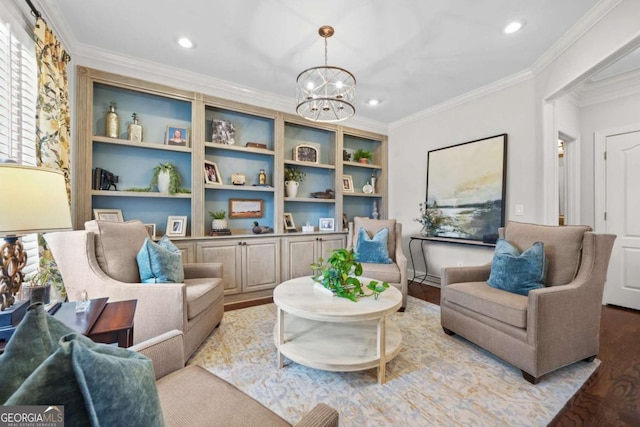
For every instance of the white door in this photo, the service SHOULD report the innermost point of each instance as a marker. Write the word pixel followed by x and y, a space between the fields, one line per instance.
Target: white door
pixel 623 218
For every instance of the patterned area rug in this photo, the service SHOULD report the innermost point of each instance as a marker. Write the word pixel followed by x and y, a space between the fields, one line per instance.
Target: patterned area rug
pixel 435 379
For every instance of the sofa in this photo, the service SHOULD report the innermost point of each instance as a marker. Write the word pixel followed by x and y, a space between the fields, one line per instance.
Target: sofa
pixel 552 326
pixel 102 261
pixel 192 396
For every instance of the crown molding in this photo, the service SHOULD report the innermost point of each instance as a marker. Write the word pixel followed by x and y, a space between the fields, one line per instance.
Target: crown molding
pixel 106 60
pixel 55 19
pixel 619 86
pixel 480 92
pixel 577 31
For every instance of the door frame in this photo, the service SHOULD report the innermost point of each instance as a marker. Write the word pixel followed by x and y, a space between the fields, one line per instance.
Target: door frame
pixel 600 171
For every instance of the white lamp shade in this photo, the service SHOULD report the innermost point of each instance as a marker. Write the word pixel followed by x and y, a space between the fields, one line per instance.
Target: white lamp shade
pixel 34 200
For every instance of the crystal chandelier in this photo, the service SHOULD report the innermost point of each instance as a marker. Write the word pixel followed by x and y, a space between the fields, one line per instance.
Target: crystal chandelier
pixel 325 94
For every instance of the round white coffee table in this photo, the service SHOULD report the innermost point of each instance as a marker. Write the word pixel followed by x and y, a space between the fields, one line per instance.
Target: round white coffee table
pixel 325 332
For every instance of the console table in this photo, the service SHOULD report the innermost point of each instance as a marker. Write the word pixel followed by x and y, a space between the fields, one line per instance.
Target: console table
pixel 424 239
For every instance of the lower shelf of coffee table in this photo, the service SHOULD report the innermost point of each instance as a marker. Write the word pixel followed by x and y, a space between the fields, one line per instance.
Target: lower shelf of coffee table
pixel 337 346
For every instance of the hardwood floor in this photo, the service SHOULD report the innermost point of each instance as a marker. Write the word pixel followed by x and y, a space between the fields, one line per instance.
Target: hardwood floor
pixel 611 397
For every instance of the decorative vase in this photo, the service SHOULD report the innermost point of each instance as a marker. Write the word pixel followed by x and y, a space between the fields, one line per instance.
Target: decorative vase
pixel 427 231
pixel 292 188
pixel 163 181
pixel 112 122
pixel 219 224
pixel 37 293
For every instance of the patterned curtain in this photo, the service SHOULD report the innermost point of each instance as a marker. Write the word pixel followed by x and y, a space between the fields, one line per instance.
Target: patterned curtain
pixel 53 119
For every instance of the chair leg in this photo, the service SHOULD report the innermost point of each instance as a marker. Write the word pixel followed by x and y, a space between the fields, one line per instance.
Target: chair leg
pixel 402 309
pixel 527 376
pixel 448 331
pixel 590 359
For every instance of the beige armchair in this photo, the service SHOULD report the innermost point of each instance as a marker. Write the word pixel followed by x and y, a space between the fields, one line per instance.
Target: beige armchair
pixel 102 260
pixel 192 396
pixel 551 327
pixel 396 273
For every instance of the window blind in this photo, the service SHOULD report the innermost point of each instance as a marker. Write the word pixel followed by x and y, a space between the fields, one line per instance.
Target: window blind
pixel 18 94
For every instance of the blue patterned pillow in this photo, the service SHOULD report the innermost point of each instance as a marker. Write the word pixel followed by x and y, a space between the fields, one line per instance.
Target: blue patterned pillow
pixel 518 272
pixel 373 250
pixel 160 262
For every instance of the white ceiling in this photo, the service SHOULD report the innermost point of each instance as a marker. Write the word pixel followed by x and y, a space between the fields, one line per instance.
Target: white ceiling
pixel 411 54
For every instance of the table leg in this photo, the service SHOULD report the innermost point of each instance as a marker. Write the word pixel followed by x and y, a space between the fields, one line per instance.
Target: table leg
pixel 422 278
pixel 280 328
pixel 382 350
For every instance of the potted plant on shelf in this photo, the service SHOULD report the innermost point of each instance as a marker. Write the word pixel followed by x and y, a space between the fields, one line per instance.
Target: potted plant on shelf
pixel 218 220
pixel 362 156
pixel 340 276
pixel 166 178
pixel 292 179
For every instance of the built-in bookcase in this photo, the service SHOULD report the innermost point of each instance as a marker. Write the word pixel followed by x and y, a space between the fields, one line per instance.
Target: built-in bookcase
pixel 263 139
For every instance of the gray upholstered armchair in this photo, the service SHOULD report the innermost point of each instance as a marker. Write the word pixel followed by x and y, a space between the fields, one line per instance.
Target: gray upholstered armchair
pixel 395 273
pixel 551 327
pixel 102 260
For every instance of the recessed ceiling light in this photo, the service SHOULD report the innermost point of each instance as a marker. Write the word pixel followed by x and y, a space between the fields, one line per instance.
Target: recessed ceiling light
pixel 513 27
pixel 185 42
pixel 373 102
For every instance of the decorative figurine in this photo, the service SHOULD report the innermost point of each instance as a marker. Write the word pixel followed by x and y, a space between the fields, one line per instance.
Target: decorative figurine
pixel 375 214
pixel 258 229
pixel 262 177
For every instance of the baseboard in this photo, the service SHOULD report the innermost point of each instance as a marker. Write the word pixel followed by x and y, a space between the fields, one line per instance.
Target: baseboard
pixel 431 279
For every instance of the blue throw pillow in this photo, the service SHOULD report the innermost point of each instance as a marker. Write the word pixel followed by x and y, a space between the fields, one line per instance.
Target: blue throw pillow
pixel 518 272
pixel 373 249
pixel 160 262
pixel 46 363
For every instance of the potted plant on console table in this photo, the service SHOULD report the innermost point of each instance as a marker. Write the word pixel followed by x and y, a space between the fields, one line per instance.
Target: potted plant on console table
pixel 340 276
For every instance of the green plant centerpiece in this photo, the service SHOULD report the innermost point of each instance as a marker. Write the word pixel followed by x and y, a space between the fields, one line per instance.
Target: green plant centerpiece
pixel 361 154
pixel 341 274
pixel 293 174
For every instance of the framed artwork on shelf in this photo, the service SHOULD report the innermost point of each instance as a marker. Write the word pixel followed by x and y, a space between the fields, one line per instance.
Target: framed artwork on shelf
pixel 151 229
pixel 347 183
pixel 289 225
pixel 114 215
pixel 326 224
pixel 176 226
pixel 466 186
pixel 177 135
pixel 223 132
pixel 211 173
pixel 245 208
pixel 306 153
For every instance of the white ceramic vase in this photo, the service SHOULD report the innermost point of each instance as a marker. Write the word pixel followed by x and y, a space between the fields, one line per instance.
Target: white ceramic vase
pixel 219 224
pixel 292 188
pixel 163 181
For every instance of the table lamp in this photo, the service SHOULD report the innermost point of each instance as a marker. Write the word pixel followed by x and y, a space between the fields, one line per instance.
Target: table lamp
pixel 34 200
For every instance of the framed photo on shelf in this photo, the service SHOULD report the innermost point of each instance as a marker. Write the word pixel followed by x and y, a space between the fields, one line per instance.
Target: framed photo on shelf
pixel 176 226
pixel 211 173
pixel 289 225
pixel 245 208
pixel 306 153
pixel 347 184
pixel 223 132
pixel 326 224
pixel 114 215
pixel 151 229
pixel 177 135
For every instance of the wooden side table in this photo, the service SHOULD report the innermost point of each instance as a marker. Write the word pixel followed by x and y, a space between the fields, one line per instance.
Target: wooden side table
pixel 115 324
